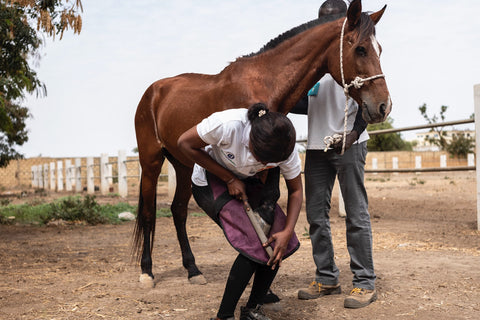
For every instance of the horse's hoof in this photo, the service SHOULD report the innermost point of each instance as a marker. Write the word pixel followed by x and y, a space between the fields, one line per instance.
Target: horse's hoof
pixel 146 281
pixel 200 279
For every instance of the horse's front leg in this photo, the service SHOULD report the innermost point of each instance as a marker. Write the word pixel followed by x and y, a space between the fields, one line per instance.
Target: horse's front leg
pixel 179 208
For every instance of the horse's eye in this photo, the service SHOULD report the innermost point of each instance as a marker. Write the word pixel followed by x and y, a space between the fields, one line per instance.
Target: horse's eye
pixel 361 51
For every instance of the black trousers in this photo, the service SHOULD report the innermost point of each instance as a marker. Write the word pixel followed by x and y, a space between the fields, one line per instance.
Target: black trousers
pixel 242 269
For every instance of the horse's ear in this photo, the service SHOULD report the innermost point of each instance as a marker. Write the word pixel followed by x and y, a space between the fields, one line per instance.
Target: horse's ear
pixel 353 13
pixel 378 15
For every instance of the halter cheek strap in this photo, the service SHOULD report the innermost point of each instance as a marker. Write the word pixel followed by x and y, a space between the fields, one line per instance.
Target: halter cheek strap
pixel 357 83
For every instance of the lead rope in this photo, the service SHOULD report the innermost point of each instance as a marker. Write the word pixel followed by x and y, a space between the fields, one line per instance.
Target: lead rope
pixel 357 83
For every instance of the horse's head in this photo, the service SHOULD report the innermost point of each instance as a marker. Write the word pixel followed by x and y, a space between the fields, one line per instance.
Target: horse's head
pixel 360 54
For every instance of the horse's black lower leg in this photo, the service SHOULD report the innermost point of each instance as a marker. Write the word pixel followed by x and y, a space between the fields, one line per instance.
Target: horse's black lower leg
pixel 146 260
pixel 179 209
pixel 145 226
pixel 179 212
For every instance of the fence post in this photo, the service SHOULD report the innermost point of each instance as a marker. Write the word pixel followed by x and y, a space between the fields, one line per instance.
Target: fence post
pixel 122 174
pixel 418 162
pixel 40 176
pixel 476 101
pixel 110 174
pixel 78 175
pixel 52 175
pixel 90 177
pixel 68 175
pixel 443 161
pixel 45 176
pixel 104 173
pixel 59 175
pixel 374 164
pixel 394 162
pixel 471 159
pixel 33 170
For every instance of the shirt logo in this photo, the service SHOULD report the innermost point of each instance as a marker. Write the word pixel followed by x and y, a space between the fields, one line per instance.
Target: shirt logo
pixel 230 155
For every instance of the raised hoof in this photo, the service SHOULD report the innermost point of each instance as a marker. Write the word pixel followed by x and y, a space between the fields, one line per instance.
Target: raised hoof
pixel 146 281
pixel 200 279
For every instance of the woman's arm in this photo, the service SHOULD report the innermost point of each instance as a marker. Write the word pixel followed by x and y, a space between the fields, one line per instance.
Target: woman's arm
pixel 192 146
pixel 294 204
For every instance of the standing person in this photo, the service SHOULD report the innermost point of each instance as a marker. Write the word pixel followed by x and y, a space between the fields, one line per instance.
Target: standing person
pixel 326 104
pixel 231 148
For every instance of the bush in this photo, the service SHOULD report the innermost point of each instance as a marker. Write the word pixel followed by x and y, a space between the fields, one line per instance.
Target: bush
pixel 67 209
pixel 76 209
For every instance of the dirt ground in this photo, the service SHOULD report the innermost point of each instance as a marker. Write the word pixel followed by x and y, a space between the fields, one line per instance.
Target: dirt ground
pixel 426 254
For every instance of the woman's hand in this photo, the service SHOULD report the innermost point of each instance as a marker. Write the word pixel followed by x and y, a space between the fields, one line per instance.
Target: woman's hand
pixel 236 188
pixel 281 240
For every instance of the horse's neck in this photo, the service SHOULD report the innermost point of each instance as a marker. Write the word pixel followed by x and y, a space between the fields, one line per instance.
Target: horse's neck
pixel 293 67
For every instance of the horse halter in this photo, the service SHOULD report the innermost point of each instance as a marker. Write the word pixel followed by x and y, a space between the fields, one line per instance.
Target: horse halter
pixel 357 83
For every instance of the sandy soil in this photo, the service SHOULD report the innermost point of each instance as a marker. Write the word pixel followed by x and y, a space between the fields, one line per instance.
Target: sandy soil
pixel 426 253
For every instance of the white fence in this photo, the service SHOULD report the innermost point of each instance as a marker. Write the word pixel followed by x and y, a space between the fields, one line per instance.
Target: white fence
pixel 51 175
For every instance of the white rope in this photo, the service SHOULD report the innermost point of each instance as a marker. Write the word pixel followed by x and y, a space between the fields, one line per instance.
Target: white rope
pixel 357 83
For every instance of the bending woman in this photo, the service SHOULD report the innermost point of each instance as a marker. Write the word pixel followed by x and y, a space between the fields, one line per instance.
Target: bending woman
pixel 232 148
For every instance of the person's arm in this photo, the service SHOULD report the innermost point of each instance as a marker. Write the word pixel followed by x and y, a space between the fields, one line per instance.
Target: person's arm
pixel 360 124
pixel 301 107
pixel 192 146
pixel 358 127
pixel 294 204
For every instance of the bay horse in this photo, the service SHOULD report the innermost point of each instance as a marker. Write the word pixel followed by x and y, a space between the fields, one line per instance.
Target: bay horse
pixel 278 75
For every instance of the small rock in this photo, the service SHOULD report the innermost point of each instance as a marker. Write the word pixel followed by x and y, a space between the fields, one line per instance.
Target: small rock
pixel 126 216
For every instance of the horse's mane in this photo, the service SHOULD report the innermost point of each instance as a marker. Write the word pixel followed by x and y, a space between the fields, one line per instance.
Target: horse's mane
pixel 294 31
pixel 366 29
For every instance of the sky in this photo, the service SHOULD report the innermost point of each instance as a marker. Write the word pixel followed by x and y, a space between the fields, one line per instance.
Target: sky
pixel 431 54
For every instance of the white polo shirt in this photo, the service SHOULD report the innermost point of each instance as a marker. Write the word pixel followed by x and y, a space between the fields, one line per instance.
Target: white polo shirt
pixel 227 135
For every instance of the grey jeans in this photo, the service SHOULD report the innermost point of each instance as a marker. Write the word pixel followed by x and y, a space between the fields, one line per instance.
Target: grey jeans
pixel 320 171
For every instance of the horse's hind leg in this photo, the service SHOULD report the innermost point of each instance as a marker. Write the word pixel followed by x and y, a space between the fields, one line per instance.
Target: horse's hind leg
pixel 145 225
pixel 179 208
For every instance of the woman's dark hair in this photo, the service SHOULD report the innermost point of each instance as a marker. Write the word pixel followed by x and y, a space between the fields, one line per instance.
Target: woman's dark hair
pixel 272 137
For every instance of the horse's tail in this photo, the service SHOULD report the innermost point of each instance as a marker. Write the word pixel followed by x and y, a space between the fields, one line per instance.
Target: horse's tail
pixel 143 228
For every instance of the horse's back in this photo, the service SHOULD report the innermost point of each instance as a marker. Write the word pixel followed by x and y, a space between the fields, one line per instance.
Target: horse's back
pixel 171 106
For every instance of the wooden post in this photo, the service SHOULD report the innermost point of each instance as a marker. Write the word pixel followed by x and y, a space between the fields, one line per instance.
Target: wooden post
pixel 52 175
pixel 476 101
pixel 68 175
pixel 34 176
pixel 443 161
pixel 471 159
pixel 418 163
pixel 78 175
pixel 103 174
pixel 90 177
pixel 45 176
pixel 60 175
pixel 122 174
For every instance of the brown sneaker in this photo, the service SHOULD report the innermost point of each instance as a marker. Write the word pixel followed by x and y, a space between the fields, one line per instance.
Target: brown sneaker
pixel 316 290
pixel 360 298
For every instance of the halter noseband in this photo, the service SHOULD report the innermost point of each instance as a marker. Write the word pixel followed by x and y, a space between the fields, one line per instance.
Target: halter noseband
pixel 357 83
